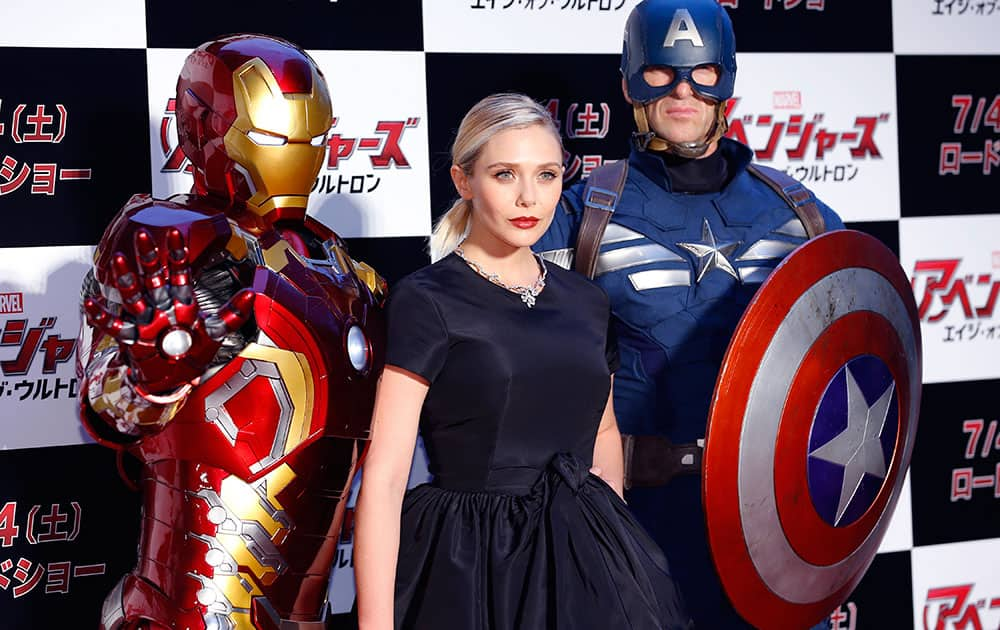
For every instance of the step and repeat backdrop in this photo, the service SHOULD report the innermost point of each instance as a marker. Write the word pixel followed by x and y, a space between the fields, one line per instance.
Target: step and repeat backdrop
pixel 888 109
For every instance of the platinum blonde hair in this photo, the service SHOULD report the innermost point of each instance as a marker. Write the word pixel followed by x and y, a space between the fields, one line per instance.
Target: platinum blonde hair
pixel 488 117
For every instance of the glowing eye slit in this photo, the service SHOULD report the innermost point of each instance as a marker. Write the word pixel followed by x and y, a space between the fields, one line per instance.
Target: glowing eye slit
pixel 266 139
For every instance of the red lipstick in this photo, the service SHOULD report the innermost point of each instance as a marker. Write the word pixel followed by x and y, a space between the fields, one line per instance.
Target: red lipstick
pixel 524 223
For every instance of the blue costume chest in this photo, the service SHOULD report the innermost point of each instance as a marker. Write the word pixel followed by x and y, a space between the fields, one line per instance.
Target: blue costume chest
pixel 679 270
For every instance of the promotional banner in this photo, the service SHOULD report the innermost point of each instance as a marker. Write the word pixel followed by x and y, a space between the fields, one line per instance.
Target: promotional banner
pixel 885 109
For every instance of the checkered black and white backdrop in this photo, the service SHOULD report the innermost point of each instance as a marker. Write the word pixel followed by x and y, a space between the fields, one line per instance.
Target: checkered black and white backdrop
pixel 888 109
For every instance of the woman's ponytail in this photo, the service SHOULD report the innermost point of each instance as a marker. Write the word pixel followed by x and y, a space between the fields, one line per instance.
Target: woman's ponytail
pixel 451 228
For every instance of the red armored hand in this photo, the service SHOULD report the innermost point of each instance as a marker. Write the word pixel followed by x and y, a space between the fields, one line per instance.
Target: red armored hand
pixel 165 339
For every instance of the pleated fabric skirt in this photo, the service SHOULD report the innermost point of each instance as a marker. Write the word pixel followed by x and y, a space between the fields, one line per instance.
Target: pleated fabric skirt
pixel 565 554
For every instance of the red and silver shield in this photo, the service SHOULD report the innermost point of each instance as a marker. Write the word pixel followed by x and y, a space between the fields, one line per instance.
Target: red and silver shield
pixel 811 429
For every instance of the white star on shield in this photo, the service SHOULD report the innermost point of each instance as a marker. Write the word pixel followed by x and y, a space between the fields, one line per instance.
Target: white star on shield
pixel 711 253
pixel 858 448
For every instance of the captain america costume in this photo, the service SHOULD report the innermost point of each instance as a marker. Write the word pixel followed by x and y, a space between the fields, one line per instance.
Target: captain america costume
pixel 687 246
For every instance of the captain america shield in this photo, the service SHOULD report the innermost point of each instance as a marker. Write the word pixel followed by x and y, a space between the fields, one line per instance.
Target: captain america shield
pixel 811 429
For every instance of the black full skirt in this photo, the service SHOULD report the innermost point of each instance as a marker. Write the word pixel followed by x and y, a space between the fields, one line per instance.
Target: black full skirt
pixel 567 555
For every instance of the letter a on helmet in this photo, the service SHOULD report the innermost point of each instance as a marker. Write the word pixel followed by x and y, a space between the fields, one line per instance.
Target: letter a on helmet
pixel 683 27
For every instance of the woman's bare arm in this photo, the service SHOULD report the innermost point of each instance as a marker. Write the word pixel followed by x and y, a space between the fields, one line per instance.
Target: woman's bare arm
pixel 398 400
pixel 608 461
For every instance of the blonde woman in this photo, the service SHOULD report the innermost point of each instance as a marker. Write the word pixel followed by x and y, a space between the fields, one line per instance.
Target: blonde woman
pixel 504 365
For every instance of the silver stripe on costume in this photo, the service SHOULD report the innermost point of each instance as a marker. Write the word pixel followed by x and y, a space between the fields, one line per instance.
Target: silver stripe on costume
pixel 615 233
pixel 753 275
pixel 278 515
pixel 794 227
pixel 660 278
pixel 258 542
pixel 767 249
pixel 636 255
pixel 561 257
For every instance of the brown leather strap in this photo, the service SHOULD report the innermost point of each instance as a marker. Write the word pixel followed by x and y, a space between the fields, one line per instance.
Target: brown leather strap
pixel 600 196
pixel 653 460
pixel 797 196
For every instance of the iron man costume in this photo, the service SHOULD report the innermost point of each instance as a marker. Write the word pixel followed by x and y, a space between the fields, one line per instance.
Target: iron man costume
pixel 232 346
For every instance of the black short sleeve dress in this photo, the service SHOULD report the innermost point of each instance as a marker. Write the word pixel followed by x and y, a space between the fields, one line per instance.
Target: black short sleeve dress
pixel 514 533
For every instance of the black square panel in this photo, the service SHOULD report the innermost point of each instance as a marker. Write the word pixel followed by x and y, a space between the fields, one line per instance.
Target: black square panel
pixel 77 522
pixel 811 25
pixel 949 134
pixel 74 144
pixel 955 472
pixel 320 24
pixel 583 92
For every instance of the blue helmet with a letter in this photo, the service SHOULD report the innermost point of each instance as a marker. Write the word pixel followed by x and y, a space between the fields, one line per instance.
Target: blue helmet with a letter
pixel 682 35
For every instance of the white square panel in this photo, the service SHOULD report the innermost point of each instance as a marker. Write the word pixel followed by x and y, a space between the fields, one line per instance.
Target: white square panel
pixel 525 26
pixel 829 121
pixel 946 27
pixel 381 187
pixel 41 286
pixel 954 266
pixel 74 24
pixel 957 585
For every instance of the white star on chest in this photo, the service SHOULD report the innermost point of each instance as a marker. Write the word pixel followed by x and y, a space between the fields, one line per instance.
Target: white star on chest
pixel 711 253
pixel 858 447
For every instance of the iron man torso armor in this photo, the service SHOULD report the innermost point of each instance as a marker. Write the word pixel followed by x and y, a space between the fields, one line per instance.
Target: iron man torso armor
pixel 244 483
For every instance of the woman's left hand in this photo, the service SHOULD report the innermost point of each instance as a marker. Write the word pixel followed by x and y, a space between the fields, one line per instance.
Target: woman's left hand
pixel 597 472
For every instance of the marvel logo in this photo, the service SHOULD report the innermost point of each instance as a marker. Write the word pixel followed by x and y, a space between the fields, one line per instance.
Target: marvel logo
pixel 789 99
pixel 11 303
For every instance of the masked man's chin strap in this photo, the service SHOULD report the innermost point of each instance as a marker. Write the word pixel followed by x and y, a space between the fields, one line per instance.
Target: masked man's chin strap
pixel 647 140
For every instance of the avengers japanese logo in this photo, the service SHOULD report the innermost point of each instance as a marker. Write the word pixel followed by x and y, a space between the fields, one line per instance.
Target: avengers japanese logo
pixel 960 606
pixel 805 141
pixel 946 286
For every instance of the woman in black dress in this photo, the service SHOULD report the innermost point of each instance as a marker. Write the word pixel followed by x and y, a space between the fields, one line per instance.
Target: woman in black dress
pixel 504 365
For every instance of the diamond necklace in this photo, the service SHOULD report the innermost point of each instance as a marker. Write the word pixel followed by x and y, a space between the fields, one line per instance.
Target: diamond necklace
pixel 528 294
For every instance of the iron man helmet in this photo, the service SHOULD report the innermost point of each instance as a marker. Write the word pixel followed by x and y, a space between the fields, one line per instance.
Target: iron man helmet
pixel 253 112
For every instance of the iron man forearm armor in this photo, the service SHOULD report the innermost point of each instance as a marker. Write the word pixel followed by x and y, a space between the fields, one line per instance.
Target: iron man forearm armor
pixel 232 346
